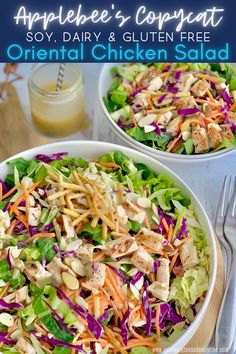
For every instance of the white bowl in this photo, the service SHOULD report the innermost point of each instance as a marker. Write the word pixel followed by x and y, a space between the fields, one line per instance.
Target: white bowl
pixel 90 150
pixel 105 80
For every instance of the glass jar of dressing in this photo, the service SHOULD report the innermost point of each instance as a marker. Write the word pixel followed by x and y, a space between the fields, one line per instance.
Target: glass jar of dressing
pixel 57 113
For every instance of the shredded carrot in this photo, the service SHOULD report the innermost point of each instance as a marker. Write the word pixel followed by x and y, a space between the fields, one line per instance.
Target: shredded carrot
pixel 98 256
pixel 172 263
pixel 163 220
pixel 133 118
pixel 90 339
pixel 111 335
pixel 170 233
pixel 172 144
pixel 188 122
pixel 150 250
pixel 147 221
pixel 22 218
pixel 39 328
pixel 152 277
pixel 41 235
pixel 157 321
pixel 139 342
pixel 233 106
pixel 183 241
pixel 4 290
pixel 24 196
pixel 114 291
pixel 210 96
pixel 135 334
pixel 9 193
pixel 11 227
pixel 186 239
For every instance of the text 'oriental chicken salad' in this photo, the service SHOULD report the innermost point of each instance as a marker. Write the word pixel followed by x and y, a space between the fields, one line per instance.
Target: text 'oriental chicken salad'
pixel 96 257
pixel 182 108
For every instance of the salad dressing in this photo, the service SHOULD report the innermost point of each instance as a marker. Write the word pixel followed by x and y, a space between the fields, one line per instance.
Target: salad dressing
pixel 57 113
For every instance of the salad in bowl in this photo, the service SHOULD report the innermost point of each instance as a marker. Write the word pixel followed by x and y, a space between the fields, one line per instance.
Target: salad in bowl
pixel 100 255
pixel 178 108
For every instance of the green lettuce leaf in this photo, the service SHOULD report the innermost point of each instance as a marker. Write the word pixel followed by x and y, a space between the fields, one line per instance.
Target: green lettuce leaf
pixel 46 249
pixel 96 233
pixel 140 135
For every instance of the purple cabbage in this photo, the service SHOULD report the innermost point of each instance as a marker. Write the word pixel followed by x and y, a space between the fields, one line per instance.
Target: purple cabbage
pixel 119 273
pixel 124 126
pixel 104 316
pixel 137 90
pixel 137 108
pixel 54 342
pixel 156 265
pixel 93 325
pixel 147 310
pixel 50 158
pixel 183 230
pixel 188 111
pixel 167 68
pixel 171 88
pixel 232 127
pixel 226 97
pixel 34 230
pixel 4 187
pixel 124 327
pixel 66 254
pixel 177 75
pixel 9 306
pixel 162 98
pixel 19 228
pixel 6 207
pixel 136 278
pixel 157 130
pixel 169 219
pixel 60 320
pixel 173 317
pixel 5 340
pixel 21 244
pixel 56 247
pixel 167 314
pixel 9 259
pixel 44 261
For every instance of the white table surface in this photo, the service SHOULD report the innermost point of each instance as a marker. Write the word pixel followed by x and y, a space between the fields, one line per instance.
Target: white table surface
pixel 204 179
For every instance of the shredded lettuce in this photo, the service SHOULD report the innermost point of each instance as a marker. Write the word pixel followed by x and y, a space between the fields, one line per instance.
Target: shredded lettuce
pixel 140 350
pixel 130 72
pixel 189 287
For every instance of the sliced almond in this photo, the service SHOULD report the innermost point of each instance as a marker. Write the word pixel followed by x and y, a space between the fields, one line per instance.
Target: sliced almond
pixel 70 281
pixel 149 128
pixel 69 260
pixel 78 268
pixel 144 202
pixel 6 319
pixel 73 245
pixel 15 252
pixel 147 120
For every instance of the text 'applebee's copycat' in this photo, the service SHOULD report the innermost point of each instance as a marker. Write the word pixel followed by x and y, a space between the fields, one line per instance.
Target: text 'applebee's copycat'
pixel 71 41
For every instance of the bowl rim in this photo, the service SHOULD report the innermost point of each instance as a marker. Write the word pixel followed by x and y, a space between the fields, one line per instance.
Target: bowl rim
pixel 63 145
pixel 168 156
